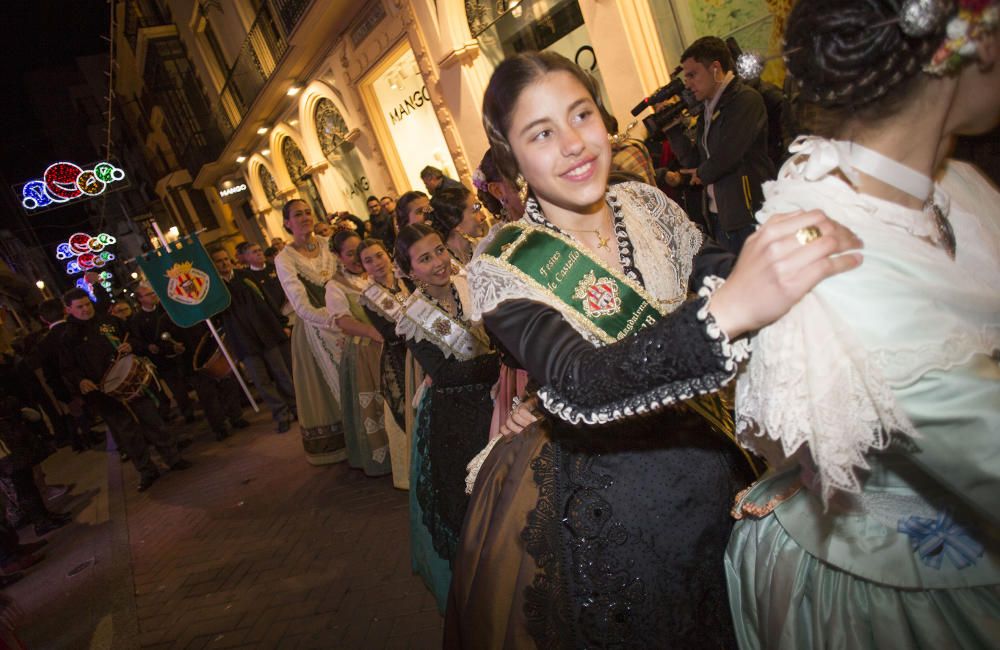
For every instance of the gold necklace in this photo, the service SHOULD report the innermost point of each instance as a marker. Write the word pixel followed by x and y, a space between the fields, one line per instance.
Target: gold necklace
pixel 602 242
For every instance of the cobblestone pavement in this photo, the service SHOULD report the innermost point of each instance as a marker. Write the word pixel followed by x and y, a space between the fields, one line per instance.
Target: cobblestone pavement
pixel 254 548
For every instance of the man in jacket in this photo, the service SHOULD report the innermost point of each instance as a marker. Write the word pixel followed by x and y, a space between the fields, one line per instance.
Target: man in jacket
pixel 729 156
pixel 146 326
pixel 256 336
pixel 91 344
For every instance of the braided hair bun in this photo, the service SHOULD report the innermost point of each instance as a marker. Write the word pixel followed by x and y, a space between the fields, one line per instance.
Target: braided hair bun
pixel 850 53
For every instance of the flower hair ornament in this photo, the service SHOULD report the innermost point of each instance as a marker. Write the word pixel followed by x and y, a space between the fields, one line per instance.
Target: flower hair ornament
pixel 479 180
pixel 975 19
pixel 919 18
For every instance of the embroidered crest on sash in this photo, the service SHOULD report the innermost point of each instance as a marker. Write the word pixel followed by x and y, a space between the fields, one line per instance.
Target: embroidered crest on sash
pixel 442 327
pixel 599 295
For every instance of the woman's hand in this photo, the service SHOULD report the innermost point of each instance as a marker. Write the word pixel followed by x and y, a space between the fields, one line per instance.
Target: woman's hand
pixel 520 417
pixel 774 270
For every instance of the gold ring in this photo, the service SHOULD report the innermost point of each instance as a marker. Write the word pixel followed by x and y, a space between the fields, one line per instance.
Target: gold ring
pixel 807 234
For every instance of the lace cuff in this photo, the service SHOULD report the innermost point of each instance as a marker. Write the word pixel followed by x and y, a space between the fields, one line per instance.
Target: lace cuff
pixel 683 356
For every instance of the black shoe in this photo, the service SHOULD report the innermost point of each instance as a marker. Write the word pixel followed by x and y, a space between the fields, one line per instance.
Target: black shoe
pixel 49 524
pixel 190 418
pixel 239 423
pixel 284 426
pixel 221 434
pixel 184 443
pixel 181 465
pixel 147 481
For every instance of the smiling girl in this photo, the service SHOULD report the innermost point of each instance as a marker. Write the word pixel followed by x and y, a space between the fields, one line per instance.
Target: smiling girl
pixel 607 526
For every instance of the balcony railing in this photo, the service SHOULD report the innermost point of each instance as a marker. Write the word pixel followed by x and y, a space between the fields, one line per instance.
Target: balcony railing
pixel 258 57
pixel 289 12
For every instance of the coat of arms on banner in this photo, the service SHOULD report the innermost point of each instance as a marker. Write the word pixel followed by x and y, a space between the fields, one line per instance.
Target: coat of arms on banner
pixel 599 295
pixel 187 285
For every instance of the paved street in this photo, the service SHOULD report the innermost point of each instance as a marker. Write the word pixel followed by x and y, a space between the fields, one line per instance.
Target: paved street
pixel 250 548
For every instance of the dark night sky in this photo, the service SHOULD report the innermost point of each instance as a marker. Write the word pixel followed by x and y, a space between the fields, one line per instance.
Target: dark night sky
pixel 41 34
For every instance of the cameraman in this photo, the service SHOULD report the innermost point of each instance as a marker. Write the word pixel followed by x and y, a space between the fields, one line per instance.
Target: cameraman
pixel 729 155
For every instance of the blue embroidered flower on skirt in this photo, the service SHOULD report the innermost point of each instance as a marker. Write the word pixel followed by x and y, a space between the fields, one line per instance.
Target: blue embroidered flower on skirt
pixel 935 539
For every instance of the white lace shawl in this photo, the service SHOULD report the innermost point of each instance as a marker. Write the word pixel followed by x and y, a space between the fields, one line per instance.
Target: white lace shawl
pixel 663 239
pixel 821 379
pixel 289 264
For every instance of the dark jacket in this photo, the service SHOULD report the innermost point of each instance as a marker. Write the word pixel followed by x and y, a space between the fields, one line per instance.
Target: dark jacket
pixel 47 357
pixel 145 329
pixel 269 284
pixel 739 164
pixel 251 324
pixel 87 349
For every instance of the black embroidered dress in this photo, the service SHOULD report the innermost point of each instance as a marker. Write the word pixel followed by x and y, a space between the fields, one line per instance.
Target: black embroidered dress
pixel 605 535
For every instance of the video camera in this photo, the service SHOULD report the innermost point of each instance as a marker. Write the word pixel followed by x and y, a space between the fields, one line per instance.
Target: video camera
pixel 659 120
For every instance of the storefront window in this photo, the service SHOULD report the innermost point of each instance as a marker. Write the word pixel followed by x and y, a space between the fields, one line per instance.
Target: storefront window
pixel 504 28
pixel 405 121
pixel 267 182
pixel 296 164
pixel 331 129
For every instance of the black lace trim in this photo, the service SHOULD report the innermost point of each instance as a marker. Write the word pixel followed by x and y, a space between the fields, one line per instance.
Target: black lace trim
pixel 443 538
pixel 705 368
pixel 546 603
pixel 573 536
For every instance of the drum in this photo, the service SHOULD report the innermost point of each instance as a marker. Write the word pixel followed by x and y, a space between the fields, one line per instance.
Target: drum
pixel 127 378
pixel 208 358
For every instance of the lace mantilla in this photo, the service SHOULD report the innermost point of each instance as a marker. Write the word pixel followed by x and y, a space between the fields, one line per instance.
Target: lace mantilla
pixel 698 321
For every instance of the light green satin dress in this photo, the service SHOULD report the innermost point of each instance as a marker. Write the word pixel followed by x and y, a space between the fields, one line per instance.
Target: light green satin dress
pixel 912 560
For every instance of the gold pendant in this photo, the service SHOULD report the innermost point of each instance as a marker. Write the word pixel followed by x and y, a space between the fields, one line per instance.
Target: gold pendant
pixel 602 242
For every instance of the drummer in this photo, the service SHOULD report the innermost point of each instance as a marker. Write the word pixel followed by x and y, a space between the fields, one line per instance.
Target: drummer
pixel 91 344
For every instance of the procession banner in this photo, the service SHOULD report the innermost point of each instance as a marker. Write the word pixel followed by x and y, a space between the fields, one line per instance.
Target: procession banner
pixel 186 281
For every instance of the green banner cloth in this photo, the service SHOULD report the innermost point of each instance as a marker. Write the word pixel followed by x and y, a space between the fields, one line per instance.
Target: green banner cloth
pixel 186 282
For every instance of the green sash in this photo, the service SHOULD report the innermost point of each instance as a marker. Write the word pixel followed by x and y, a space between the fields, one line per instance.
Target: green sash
pixel 606 303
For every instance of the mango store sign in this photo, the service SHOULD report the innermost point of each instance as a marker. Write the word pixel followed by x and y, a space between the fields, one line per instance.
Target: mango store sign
pixel 232 191
pixel 409 115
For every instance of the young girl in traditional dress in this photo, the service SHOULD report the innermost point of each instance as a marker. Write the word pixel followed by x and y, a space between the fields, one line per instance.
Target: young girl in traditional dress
pixel 607 527
pixel 361 398
pixel 454 417
pixel 383 300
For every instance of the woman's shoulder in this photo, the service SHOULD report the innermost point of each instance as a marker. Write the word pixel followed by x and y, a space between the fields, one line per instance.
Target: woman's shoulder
pixel 968 184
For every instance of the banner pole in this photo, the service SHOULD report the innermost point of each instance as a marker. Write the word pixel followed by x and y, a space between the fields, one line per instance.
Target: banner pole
pixel 232 364
pixel 211 328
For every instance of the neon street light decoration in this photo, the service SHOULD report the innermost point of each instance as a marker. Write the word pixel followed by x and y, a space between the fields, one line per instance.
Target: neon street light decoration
pixel 86 253
pixel 64 181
